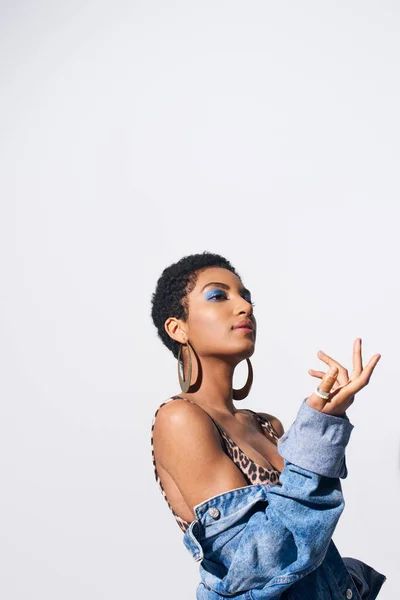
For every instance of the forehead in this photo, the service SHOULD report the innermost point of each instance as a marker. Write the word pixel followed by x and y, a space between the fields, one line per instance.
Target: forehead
pixel 217 274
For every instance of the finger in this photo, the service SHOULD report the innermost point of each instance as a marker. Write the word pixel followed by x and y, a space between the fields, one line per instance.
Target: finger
pixel 343 373
pixel 369 367
pixel 357 359
pixel 329 378
pixel 357 384
pixel 319 374
pixel 326 385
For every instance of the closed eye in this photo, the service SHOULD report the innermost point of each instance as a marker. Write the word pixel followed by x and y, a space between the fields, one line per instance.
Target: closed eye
pixel 219 295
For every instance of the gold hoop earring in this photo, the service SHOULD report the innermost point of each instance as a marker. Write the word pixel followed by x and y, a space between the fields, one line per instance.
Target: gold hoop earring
pixel 244 391
pixel 185 385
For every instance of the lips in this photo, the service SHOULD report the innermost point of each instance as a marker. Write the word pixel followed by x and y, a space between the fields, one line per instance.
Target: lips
pixel 245 324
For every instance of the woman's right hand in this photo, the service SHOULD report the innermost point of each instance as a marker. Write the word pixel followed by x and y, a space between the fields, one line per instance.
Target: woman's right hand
pixel 336 380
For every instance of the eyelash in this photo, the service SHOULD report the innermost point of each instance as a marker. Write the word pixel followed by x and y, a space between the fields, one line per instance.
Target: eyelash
pixel 221 295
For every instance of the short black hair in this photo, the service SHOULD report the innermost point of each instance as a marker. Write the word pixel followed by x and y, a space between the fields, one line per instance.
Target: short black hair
pixel 173 286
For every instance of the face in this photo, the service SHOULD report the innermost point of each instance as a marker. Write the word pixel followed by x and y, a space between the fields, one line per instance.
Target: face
pixel 218 302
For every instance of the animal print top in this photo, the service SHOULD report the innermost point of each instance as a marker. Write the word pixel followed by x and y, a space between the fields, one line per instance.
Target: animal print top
pixel 253 473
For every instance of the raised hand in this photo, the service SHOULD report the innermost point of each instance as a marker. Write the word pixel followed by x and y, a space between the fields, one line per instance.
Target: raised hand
pixel 336 380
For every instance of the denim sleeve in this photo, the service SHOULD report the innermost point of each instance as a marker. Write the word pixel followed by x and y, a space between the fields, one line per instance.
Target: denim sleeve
pixel 317 441
pixel 267 537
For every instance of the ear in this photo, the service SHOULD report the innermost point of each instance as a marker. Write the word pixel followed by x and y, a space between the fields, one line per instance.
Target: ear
pixel 176 329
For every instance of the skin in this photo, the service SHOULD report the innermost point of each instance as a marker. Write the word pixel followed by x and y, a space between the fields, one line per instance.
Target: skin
pixel 339 383
pixel 197 468
pixel 216 347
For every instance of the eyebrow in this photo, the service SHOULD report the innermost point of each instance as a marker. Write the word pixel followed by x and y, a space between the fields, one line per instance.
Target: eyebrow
pixel 224 286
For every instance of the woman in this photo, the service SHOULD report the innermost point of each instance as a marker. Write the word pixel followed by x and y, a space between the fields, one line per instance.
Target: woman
pixel 207 454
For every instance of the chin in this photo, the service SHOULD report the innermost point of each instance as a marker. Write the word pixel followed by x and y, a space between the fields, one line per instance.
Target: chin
pixel 247 352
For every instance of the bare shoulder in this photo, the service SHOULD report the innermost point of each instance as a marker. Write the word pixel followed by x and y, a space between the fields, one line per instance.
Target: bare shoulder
pixel 189 447
pixel 179 412
pixel 275 422
pixel 178 424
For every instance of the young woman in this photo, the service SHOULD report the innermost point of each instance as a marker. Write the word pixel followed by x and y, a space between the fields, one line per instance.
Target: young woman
pixel 206 451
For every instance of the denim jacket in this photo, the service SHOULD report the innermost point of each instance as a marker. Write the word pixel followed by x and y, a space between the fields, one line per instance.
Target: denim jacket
pixel 265 541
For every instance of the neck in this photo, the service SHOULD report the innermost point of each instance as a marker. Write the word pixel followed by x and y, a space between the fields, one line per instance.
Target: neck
pixel 213 389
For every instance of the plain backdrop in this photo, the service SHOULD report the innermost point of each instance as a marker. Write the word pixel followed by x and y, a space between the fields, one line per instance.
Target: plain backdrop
pixel 132 134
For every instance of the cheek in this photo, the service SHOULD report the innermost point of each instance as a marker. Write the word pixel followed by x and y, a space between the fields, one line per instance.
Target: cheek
pixel 209 323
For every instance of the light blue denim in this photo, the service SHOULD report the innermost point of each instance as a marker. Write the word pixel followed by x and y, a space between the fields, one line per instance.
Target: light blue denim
pixel 264 541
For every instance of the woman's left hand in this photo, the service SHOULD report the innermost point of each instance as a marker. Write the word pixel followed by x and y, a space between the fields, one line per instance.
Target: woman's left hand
pixel 343 378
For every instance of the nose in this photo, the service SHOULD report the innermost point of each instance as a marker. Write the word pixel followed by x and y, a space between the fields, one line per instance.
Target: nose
pixel 245 307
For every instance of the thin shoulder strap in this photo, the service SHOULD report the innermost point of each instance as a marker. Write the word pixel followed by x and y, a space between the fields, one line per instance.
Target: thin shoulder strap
pixel 191 401
pixel 254 413
pixel 187 400
pixel 265 421
pixel 219 428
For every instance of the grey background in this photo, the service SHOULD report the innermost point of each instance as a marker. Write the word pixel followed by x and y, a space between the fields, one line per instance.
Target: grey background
pixel 133 133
